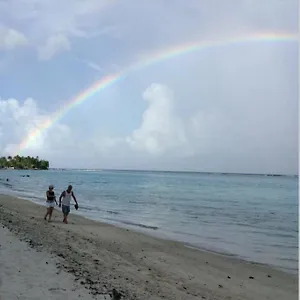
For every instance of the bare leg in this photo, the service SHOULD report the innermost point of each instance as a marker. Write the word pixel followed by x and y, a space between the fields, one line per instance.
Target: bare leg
pixel 47 213
pixel 50 213
pixel 65 218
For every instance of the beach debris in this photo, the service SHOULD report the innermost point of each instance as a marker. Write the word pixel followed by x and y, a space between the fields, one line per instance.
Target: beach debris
pixel 116 295
pixel 269 276
pixel 220 286
pixel 251 277
pixel 89 281
pixel 228 277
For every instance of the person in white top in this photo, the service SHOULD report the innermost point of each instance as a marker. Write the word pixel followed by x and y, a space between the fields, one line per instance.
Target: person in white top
pixel 65 202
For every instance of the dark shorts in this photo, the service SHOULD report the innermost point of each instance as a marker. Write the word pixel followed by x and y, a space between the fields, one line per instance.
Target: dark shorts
pixel 65 209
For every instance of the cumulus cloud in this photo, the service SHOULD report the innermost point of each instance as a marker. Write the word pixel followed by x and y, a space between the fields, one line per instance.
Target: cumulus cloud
pixel 161 130
pixel 18 120
pixel 160 133
pixel 54 44
pixel 205 139
pixel 11 38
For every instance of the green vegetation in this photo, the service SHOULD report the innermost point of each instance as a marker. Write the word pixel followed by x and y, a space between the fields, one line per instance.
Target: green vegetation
pixel 23 163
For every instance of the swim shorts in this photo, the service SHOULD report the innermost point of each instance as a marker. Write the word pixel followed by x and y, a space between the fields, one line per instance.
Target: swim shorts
pixel 65 209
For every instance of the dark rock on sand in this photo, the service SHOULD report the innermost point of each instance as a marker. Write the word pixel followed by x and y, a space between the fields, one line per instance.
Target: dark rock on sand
pixel 116 295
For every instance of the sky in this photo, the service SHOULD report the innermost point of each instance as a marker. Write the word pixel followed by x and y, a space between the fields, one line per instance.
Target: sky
pixel 232 108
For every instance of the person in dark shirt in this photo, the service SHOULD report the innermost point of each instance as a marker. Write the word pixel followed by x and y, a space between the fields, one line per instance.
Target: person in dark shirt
pixel 50 202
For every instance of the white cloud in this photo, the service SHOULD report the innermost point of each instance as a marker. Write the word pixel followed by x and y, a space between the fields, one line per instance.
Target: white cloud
pixel 161 130
pixel 55 44
pixel 51 25
pixel 18 120
pixel 10 38
pixel 160 133
pixel 91 65
pixel 208 139
pixel 47 18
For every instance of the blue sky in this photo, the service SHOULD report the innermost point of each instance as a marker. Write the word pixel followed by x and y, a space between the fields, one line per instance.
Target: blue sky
pixel 229 109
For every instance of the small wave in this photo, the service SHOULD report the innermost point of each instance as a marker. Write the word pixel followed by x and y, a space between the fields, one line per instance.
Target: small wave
pixel 289 259
pixel 284 246
pixel 138 225
pixel 86 208
pixel 112 212
pixel 142 202
pixel 186 233
pixel 31 197
pixel 7 185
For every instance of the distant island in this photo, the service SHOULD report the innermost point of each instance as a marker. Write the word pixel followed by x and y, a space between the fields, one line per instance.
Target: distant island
pixel 23 163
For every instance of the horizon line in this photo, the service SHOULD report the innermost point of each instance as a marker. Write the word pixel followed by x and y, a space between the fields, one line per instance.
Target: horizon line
pixel 175 171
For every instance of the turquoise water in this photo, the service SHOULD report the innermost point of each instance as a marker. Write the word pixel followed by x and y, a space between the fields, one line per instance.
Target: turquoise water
pixel 251 216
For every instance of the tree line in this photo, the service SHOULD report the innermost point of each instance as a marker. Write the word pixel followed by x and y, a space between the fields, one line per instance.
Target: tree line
pixel 23 163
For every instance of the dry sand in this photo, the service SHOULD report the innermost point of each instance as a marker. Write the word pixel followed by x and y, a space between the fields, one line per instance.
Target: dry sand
pixel 28 274
pixel 100 257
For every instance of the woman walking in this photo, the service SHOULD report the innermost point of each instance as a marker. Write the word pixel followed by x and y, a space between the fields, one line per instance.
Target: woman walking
pixel 51 199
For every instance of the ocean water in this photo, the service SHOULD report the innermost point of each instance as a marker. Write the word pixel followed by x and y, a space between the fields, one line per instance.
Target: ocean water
pixel 252 217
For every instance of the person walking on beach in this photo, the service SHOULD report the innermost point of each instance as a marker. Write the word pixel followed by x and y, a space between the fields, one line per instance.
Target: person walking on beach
pixel 50 202
pixel 65 202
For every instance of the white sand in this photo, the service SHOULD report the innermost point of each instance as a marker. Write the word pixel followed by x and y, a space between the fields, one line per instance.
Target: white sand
pixel 28 274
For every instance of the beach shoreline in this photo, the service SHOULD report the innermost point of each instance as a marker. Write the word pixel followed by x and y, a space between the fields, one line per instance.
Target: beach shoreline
pixel 102 256
pixel 160 234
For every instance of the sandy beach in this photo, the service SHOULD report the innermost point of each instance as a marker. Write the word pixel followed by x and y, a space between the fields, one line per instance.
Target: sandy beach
pixel 28 274
pixel 86 260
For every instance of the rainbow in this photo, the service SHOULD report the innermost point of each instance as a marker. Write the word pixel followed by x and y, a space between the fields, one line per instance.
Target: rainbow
pixel 148 60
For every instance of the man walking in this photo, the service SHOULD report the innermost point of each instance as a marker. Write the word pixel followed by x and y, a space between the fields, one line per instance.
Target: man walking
pixel 65 202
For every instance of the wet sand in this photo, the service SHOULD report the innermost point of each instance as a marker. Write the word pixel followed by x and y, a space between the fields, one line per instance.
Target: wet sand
pixel 100 257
